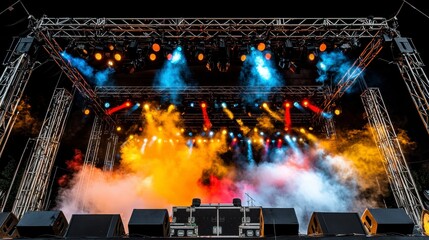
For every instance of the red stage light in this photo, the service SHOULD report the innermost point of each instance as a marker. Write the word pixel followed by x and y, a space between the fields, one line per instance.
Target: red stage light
pixel 305 103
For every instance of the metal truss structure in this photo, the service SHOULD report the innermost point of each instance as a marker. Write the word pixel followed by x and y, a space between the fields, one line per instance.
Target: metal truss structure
pixel 56 34
pixel 399 175
pixel 13 82
pixel 204 28
pixel 33 189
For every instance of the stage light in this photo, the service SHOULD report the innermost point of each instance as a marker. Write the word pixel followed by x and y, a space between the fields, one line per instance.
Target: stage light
pixel 81 50
pixel 243 57
pixel 117 56
pixel 337 111
pixel 322 47
pixel 110 63
pixel 156 47
pixel 169 56
pixel 261 46
pixel 146 106
pixel 152 57
pixel 200 56
pixel 243 51
pixel 268 55
pixel 305 103
pixel 311 56
pixel 86 111
pixel 98 56
pixel 111 47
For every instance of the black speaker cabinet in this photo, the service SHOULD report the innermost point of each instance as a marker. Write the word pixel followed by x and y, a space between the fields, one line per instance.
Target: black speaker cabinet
pixel 8 222
pixel 42 224
pixel 149 222
pixel 334 223
pixel 279 221
pixel 95 225
pixel 387 220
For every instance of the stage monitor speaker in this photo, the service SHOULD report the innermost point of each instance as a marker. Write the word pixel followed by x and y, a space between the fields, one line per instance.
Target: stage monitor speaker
pixel 279 222
pixel 387 220
pixel 149 222
pixel 42 224
pixel 8 222
pixel 335 223
pixel 95 225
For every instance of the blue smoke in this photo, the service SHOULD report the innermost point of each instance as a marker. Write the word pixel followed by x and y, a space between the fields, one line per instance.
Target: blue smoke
pixel 100 78
pixel 335 63
pixel 259 72
pixel 171 76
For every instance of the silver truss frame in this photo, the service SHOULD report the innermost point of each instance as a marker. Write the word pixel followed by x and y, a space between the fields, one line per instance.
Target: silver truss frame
pixel 204 28
pixel 32 191
pixel 403 187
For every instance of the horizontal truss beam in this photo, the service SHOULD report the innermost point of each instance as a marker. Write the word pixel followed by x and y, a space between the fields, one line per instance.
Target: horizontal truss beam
pixel 141 91
pixel 206 28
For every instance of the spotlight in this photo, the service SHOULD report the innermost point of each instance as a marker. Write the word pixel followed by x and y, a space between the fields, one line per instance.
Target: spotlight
pixel 200 56
pixel 261 46
pixel 117 56
pixel 152 57
pixel 156 47
pixel 322 47
pixel 169 56
pixel 86 111
pixel 311 56
pixel 305 103
pixel 82 51
pixel 110 63
pixel 243 57
pixel 199 53
pixel 337 111
pixel 98 56
pixel 242 53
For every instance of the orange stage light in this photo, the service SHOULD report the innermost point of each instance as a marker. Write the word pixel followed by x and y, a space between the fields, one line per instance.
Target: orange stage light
pixel 156 47
pixel 261 46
